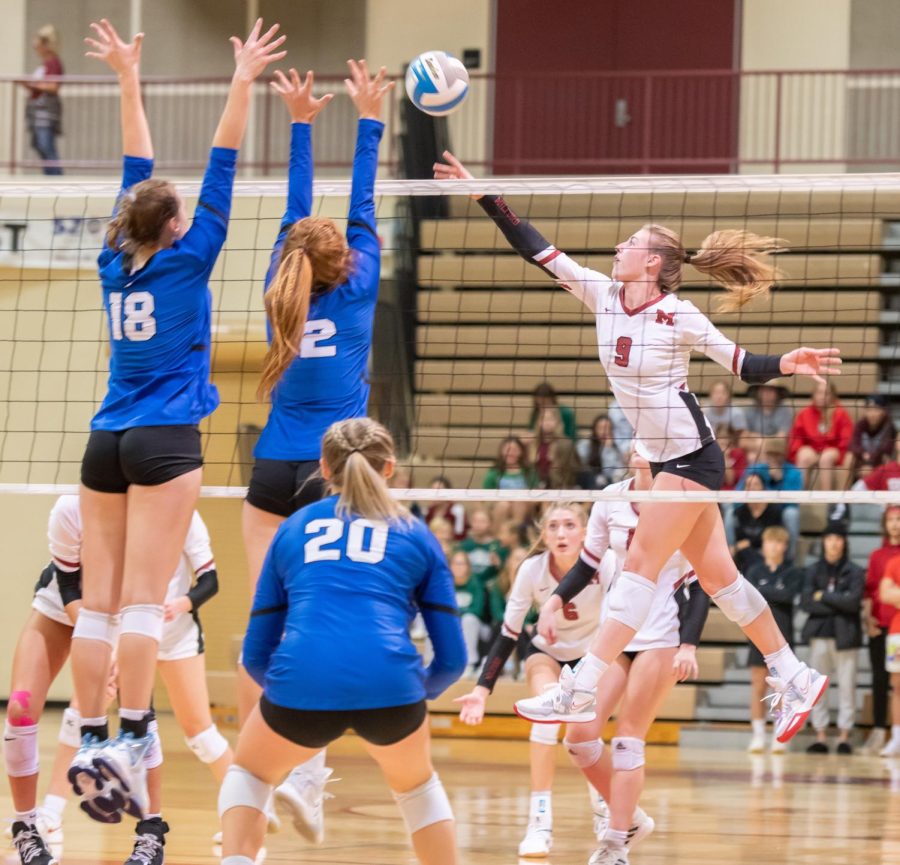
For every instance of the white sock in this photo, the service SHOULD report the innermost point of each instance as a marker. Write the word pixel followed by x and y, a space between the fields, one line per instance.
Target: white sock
pixel 639 814
pixel 313 764
pixel 132 714
pixel 55 805
pixel 540 813
pixel 29 817
pixel 589 672
pixel 784 663
pixel 895 732
pixel 759 726
pixel 616 837
pixel 237 860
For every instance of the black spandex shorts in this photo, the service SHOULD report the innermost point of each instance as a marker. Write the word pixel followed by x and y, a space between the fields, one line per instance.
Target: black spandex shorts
pixel 315 729
pixel 705 466
pixel 534 650
pixel 282 487
pixel 143 455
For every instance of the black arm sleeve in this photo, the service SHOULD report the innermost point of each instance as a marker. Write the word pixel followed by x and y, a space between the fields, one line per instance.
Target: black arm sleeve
pixel 523 237
pixel 576 581
pixel 499 654
pixel 760 368
pixel 692 613
pixel 69 583
pixel 206 587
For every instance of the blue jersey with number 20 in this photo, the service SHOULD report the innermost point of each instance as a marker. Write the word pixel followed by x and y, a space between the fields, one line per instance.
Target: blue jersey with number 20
pixel 159 316
pixel 329 627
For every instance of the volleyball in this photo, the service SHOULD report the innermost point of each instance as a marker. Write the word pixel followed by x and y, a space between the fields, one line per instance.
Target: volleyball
pixel 437 83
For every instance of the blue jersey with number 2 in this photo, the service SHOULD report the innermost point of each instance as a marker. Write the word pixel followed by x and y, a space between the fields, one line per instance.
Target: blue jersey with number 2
pixel 159 316
pixel 329 627
pixel 329 380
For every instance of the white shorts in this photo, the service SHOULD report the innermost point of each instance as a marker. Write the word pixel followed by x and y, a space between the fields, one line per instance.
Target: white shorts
pixel 48 603
pixel 892 655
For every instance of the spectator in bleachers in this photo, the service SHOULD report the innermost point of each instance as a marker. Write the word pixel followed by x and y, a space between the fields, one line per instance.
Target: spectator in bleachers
pixel 470 598
pixel 511 471
pixel 877 616
pixel 43 110
pixel 565 471
pixel 735 457
pixel 622 430
pixel 600 456
pixel 402 479
pixel 719 409
pixel 544 397
pixel 820 439
pixel 873 437
pixel 768 416
pixel 751 519
pixel 889 595
pixel 453 512
pixel 832 595
pixel 886 478
pixel 443 532
pixel 549 429
pixel 780 583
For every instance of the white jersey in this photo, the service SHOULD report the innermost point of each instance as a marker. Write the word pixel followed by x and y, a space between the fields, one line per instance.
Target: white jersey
pixel 646 353
pixel 576 622
pixel 610 529
pixel 64 533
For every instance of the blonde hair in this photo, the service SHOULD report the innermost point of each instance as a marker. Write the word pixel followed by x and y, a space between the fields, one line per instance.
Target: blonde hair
pixel 737 260
pixel 539 546
pixel 356 451
pixel 314 259
pixel 48 36
pixel 777 533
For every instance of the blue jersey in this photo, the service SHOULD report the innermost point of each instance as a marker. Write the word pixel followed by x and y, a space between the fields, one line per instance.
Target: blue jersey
pixel 329 380
pixel 329 627
pixel 159 316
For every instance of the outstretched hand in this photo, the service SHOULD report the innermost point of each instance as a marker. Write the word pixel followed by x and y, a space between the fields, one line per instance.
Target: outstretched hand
pixel 472 711
pixel 298 96
pixel 367 92
pixel 122 57
pixel 452 169
pixel 257 52
pixel 814 362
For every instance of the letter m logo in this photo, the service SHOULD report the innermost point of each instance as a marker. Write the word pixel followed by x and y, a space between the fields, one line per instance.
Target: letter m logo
pixel 665 318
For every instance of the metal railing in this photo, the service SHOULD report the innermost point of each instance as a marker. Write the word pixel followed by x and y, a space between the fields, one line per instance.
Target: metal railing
pixel 574 123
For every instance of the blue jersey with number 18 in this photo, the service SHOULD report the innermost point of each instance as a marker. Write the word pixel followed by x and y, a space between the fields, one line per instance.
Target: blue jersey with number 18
pixel 159 316
pixel 329 380
pixel 329 627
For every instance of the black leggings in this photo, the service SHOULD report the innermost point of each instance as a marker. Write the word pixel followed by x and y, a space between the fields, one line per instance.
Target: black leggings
pixel 881 680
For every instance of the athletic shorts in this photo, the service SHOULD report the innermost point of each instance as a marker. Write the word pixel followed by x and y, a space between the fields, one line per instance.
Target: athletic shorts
pixel 705 466
pixel 48 603
pixel 536 650
pixel 283 487
pixel 316 729
pixel 182 638
pixel 145 455
pixel 892 654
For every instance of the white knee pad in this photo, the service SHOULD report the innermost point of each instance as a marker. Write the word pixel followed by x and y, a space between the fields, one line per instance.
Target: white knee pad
pixel 243 789
pixel 544 734
pixel 93 625
pixel 70 728
pixel 208 745
pixel 153 756
pixel 20 750
pixel 144 619
pixel 741 602
pixel 630 599
pixel 426 804
pixel 627 753
pixel 584 754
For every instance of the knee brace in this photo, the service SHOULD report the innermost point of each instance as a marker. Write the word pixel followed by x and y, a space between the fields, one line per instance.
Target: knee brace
pixel 242 789
pixel 20 750
pixel 93 625
pixel 627 753
pixel 426 804
pixel 153 756
pixel 208 745
pixel 544 734
pixel 144 619
pixel 584 754
pixel 630 599
pixel 741 602
pixel 70 728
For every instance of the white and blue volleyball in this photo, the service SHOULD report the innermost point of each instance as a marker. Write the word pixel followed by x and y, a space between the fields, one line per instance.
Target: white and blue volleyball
pixel 437 83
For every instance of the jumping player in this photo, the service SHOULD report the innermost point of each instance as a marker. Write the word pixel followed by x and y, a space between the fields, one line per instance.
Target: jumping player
pixel 320 294
pixel 645 335
pixel 355 563
pixel 43 647
pixel 141 469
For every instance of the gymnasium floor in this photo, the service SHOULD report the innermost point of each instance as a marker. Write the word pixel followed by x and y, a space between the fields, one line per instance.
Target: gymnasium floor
pixel 715 807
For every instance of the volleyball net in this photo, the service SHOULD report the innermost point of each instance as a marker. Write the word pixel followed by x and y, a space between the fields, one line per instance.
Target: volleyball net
pixel 466 331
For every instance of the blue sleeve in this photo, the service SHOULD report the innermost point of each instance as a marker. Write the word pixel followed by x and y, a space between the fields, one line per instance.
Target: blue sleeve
pixel 134 170
pixel 436 599
pixel 793 478
pixel 300 175
pixel 267 618
pixel 361 232
pixel 210 225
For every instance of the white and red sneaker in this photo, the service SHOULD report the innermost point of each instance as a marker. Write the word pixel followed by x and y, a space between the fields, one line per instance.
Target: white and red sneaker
pixel 561 703
pixel 792 701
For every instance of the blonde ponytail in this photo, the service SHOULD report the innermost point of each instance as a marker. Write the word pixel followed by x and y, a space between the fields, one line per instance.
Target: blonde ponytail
pixel 287 307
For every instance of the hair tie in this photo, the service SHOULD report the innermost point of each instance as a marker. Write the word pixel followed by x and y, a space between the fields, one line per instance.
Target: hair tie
pixel 688 256
pixel 353 451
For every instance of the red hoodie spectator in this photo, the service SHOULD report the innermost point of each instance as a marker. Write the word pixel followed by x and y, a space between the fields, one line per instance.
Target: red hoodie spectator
pixel 885 478
pixel 821 436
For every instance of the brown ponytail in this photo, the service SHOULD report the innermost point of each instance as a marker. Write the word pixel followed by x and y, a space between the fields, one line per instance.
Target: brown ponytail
pixel 142 215
pixel 737 260
pixel 314 259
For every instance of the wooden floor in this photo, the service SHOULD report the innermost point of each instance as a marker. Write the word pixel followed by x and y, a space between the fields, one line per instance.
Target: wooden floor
pixel 712 807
